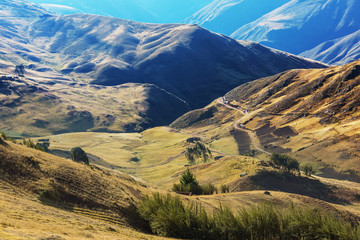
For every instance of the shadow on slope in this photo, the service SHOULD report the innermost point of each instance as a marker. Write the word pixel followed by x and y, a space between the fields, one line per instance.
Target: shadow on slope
pixel 68 185
pixel 285 182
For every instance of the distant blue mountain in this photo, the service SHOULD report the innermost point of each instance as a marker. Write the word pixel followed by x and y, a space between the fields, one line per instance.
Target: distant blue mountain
pixel 226 16
pixel 339 51
pixel 154 11
pixel 301 25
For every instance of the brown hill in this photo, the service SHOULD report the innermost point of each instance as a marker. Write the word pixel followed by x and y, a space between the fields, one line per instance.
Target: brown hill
pixel 51 194
pixel 78 57
pixel 48 103
pixel 312 114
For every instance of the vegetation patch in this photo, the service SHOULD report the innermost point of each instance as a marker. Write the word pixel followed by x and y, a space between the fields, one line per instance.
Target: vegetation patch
pixel 168 216
pixel 189 184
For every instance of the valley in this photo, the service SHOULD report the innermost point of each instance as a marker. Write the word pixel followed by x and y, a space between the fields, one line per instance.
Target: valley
pixel 116 129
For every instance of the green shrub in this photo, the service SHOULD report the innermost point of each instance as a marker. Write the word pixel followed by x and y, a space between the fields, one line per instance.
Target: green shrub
pixel 3 135
pixel 168 216
pixel 208 189
pixel 224 188
pixel 79 155
pixel 198 151
pixel 308 170
pixel 285 162
pixel 188 183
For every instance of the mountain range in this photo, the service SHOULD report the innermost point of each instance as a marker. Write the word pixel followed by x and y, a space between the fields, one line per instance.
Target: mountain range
pixel 321 30
pixel 187 63
pixel 287 25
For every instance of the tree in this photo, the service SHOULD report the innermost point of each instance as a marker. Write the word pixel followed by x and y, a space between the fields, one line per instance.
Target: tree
pixel 188 183
pixel 285 162
pixel 308 170
pixel 198 151
pixel 79 155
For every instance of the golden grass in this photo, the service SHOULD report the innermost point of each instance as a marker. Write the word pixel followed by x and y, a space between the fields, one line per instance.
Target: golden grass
pixel 24 217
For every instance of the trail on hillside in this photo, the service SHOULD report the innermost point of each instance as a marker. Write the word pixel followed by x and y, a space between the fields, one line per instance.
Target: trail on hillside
pixel 252 134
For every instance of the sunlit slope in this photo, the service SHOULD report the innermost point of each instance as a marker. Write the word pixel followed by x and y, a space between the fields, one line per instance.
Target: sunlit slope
pixel 43 104
pixel 44 195
pixel 310 113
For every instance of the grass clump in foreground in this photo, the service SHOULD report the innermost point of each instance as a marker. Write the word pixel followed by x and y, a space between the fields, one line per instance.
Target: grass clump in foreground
pixel 168 216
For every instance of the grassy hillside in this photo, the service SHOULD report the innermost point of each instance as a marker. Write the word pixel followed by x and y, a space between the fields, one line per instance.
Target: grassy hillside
pixel 51 193
pixel 311 114
pixel 44 195
pixel 48 103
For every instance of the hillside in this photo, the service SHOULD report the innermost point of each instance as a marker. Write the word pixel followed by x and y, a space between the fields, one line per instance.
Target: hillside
pixel 338 51
pixel 49 197
pixel 47 103
pixel 311 114
pixel 298 26
pixel 78 57
pixel 110 51
pixel 44 196
pixel 226 16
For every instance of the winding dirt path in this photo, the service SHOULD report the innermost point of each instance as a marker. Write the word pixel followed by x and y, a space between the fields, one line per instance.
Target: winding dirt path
pixel 254 138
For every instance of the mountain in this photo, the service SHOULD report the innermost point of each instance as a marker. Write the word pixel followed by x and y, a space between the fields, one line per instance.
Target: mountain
pixel 337 52
pixel 311 114
pixel 168 67
pixel 226 16
pixel 300 25
pixel 152 11
pixel 110 51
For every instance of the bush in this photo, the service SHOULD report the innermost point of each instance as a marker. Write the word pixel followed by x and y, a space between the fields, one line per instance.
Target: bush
pixel 208 189
pixel 285 162
pixel 188 183
pixel 3 135
pixel 224 188
pixel 308 170
pixel 79 155
pixel 198 151
pixel 168 216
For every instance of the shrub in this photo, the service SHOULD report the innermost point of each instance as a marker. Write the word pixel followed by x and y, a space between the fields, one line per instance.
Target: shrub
pixel 308 170
pixel 168 216
pixel 188 183
pixel 285 162
pixel 79 155
pixel 224 188
pixel 3 135
pixel 198 151
pixel 208 189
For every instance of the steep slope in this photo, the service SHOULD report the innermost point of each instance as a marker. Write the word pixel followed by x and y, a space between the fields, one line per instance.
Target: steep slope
pixel 339 51
pixel 77 53
pixel 226 16
pixel 45 103
pixel 43 195
pixel 112 51
pixel 302 25
pixel 312 114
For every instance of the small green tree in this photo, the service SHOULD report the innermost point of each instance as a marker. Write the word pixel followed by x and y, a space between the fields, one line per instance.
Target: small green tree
pixel 285 162
pixel 224 188
pixel 3 135
pixel 198 151
pixel 308 170
pixel 79 155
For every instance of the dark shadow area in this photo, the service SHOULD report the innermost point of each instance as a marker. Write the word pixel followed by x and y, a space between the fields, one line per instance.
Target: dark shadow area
pixel 290 183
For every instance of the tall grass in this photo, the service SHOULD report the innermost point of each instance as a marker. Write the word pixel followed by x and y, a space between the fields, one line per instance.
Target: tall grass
pixel 168 216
